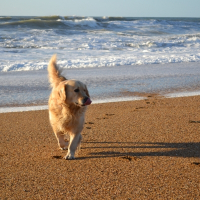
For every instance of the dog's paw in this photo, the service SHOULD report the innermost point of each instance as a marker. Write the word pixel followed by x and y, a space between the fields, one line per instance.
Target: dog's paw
pixel 69 157
pixel 63 148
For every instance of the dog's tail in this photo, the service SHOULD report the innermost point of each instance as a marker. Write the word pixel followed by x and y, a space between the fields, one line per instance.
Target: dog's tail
pixel 54 72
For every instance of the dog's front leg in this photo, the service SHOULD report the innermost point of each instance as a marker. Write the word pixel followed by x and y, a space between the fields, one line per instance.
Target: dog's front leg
pixel 75 140
pixel 61 140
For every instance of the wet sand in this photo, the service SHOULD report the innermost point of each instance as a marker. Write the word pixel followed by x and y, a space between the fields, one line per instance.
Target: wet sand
pixel 147 149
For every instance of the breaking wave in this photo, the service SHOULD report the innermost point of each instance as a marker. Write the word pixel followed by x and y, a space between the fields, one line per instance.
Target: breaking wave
pixel 27 43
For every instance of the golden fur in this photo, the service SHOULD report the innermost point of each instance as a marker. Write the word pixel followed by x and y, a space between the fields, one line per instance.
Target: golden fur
pixel 67 105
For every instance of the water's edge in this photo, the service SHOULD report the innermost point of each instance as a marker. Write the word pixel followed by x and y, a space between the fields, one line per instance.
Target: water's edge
pixel 111 100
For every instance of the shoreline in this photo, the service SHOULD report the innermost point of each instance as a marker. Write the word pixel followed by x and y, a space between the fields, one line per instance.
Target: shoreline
pixel 140 96
pixel 130 150
pixel 32 87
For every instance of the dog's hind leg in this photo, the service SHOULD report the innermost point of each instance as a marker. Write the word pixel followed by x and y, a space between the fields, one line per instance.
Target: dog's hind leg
pixel 75 140
pixel 61 140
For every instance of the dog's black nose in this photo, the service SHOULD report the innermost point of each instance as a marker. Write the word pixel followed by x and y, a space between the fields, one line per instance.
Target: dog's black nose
pixel 87 101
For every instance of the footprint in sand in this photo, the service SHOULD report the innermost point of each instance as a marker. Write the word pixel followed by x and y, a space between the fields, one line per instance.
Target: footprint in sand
pixel 89 123
pixel 102 118
pixel 88 127
pixel 129 158
pixel 139 108
pixel 196 163
pixel 191 121
pixel 109 114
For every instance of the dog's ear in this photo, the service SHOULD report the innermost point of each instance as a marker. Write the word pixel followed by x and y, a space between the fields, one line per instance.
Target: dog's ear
pixel 87 93
pixel 62 92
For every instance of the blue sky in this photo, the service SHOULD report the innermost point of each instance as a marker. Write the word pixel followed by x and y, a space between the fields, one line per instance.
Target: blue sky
pixel 122 8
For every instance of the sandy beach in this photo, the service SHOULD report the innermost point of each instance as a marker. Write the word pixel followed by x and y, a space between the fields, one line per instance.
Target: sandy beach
pixel 146 149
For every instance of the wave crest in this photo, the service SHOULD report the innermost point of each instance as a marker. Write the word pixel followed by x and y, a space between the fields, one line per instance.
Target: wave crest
pixel 89 22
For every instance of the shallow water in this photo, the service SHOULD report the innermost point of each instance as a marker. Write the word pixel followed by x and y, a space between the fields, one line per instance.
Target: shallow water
pixel 104 84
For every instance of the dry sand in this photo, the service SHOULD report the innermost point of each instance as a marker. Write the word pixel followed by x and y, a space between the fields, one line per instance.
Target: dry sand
pixel 148 149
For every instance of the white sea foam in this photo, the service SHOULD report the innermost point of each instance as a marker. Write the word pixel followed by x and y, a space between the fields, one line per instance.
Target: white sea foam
pixel 90 22
pixel 22 109
pixel 182 94
pixel 104 60
pixel 94 49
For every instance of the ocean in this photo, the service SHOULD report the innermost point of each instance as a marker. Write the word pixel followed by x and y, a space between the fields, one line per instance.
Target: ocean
pixel 114 56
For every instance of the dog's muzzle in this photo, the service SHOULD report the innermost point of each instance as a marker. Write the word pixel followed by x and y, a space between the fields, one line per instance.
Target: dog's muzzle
pixel 87 101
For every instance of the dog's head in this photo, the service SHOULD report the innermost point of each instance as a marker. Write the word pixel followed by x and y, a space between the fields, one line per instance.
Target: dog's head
pixel 74 92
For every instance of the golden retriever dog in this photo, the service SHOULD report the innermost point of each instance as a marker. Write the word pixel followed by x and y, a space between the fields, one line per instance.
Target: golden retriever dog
pixel 67 106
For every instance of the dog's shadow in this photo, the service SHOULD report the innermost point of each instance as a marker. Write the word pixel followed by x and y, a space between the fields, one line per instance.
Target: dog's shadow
pixel 130 149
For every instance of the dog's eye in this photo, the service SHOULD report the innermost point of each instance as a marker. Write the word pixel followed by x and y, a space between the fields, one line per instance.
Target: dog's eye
pixel 76 90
